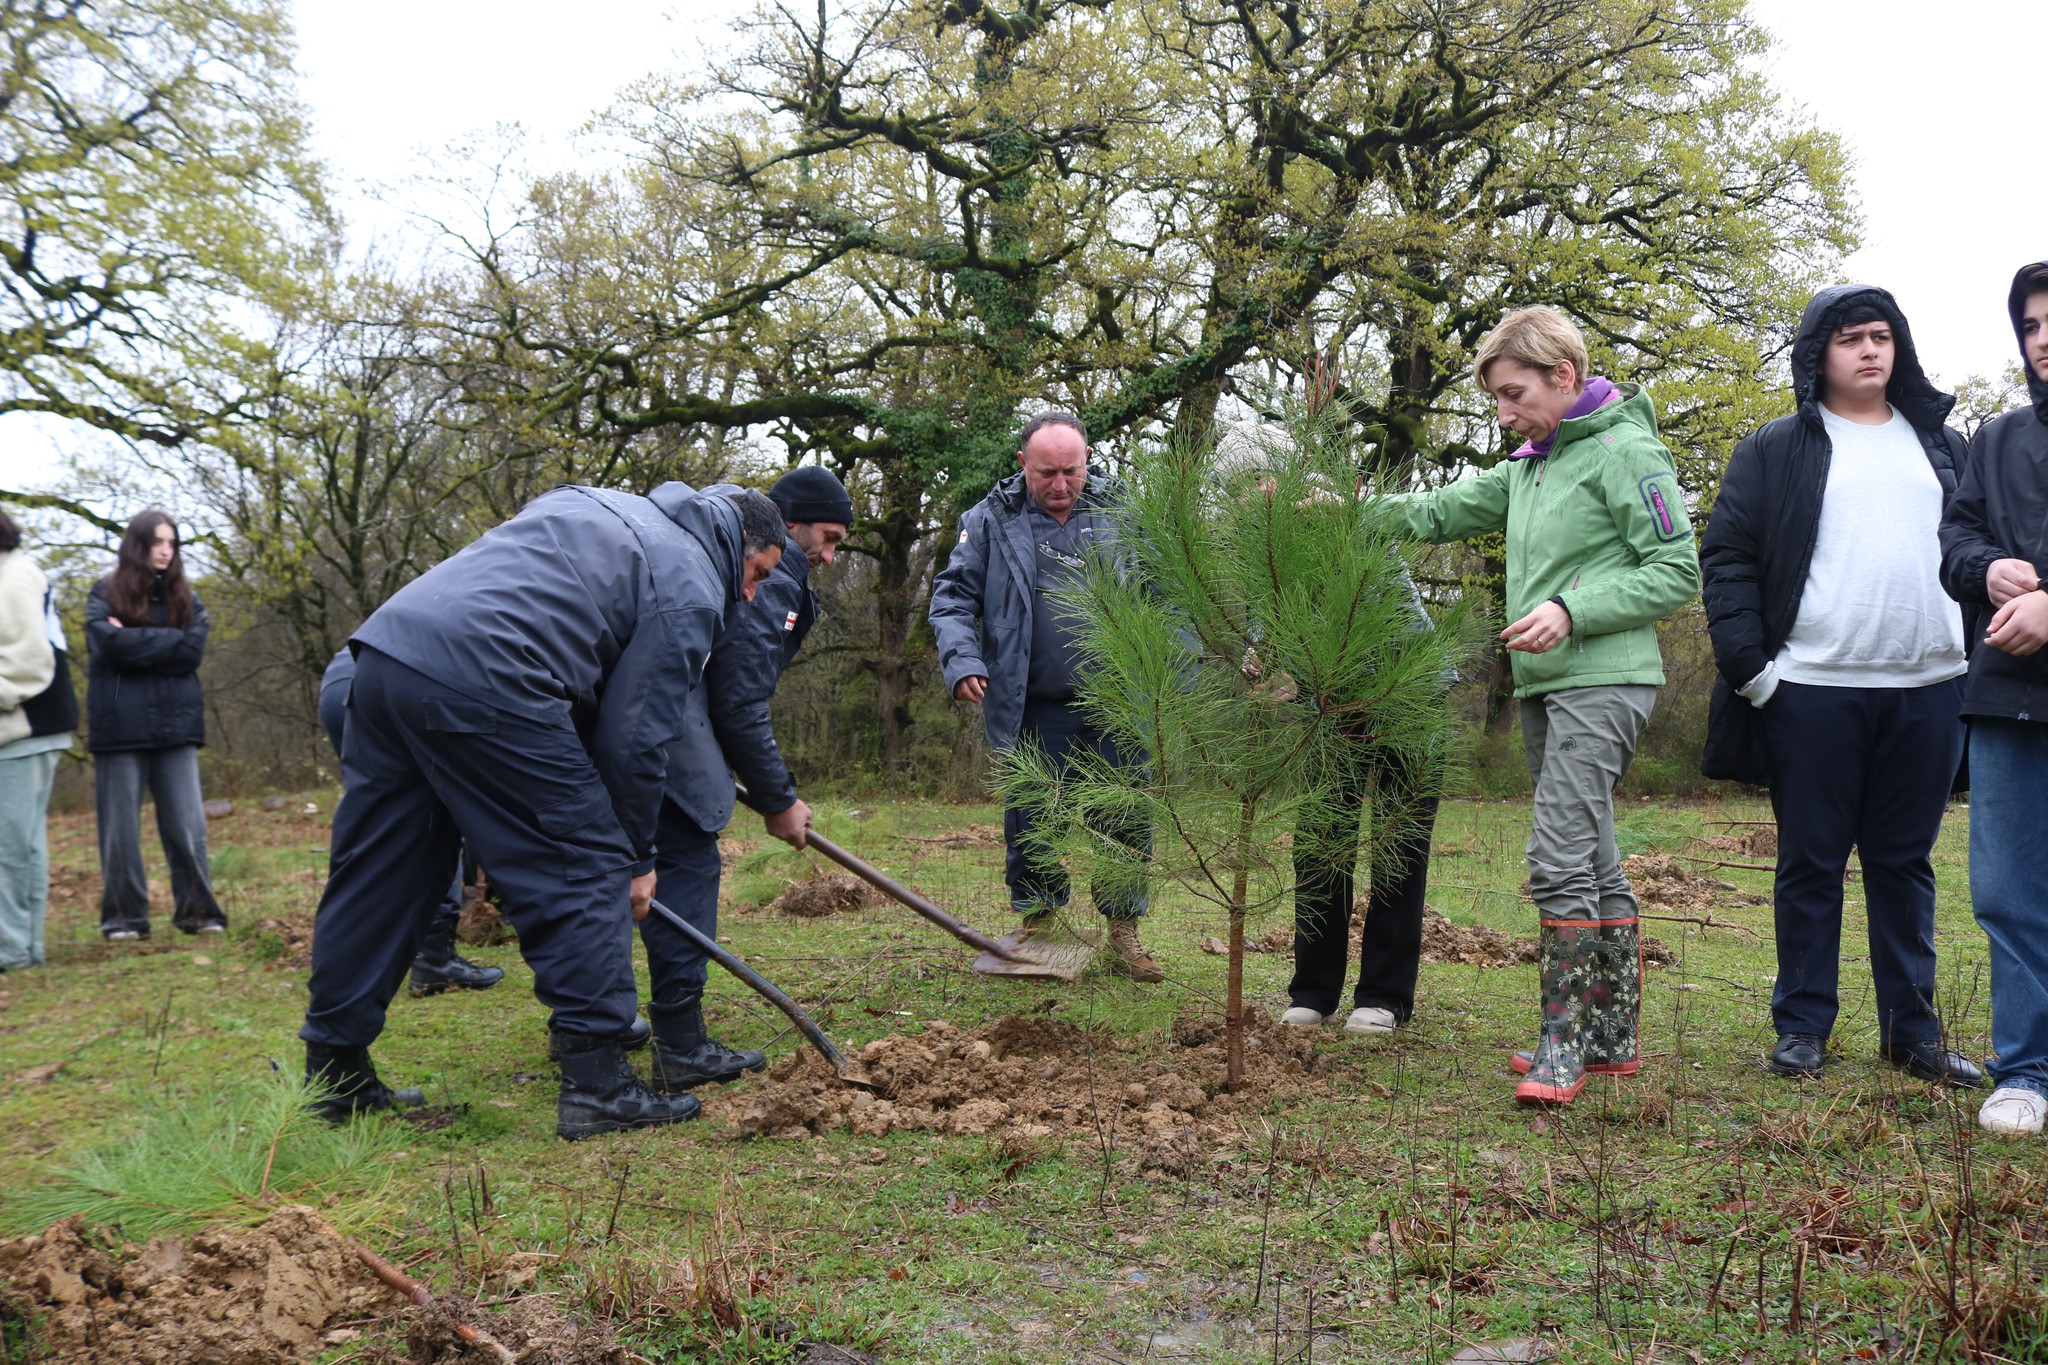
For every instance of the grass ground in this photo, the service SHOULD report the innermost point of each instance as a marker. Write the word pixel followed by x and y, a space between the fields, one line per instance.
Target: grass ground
pixel 1394 1204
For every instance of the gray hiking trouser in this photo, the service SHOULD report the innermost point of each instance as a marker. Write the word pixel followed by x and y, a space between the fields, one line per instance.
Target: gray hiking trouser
pixel 1579 741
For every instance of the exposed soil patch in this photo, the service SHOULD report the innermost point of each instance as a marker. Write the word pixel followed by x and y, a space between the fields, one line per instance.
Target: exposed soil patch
pixel 834 893
pixel 974 836
pixel 1026 1077
pixel 534 1330
pixel 294 934
pixel 481 925
pixel 267 1295
pixel 1755 841
pixel 1467 945
pixel 1662 882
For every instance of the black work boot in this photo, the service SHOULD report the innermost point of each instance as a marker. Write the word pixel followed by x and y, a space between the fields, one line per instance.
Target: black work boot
pixel 600 1093
pixel 437 966
pixel 685 1056
pixel 349 1084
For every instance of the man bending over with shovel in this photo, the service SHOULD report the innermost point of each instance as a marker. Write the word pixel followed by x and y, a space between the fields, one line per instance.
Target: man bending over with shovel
pixel 1004 644
pixel 726 733
pixel 521 695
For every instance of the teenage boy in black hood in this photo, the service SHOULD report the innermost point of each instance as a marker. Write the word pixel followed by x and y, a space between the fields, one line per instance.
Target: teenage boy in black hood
pixel 1841 664
pixel 1994 541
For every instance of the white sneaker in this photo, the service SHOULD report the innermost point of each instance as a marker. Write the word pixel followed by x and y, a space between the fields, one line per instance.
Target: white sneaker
pixel 1299 1017
pixel 1370 1019
pixel 122 936
pixel 2013 1111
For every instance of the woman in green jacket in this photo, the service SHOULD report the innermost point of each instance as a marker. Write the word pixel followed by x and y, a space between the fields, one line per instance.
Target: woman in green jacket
pixel 1599 548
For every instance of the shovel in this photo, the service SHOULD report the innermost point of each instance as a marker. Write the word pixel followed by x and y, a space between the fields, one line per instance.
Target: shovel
pixel 1024 953
pixel 848 1072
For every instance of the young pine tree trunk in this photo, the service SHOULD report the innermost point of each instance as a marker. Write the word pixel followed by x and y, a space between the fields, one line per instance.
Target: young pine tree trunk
pixel 1233 1008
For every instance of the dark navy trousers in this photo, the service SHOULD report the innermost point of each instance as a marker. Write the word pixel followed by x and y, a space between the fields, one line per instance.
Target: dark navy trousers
pixel 425 768
pixel 1065 734
pixel 334 720
pixel 686 872
pixel 1869 768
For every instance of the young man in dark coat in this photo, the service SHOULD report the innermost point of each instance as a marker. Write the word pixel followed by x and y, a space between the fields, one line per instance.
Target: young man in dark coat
pixel 1994 543
pixel 727 734
pixel 521 696
pixel 437 966
pixel 1841 663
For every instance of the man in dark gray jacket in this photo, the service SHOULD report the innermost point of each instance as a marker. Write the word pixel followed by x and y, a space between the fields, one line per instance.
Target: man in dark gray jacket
pixel 522 695
pixel 726 733
pixel 1003 645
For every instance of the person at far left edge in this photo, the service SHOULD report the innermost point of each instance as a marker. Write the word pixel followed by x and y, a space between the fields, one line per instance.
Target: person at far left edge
pixel 521 695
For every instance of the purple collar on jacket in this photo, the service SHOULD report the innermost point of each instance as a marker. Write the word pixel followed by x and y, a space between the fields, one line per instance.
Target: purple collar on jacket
pixel 1599 393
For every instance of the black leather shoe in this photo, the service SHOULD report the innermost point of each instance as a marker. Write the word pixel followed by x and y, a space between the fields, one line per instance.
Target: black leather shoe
pixel 1929 1061
pixel 686 1056
pixel 1799 1054
pixel 348 1084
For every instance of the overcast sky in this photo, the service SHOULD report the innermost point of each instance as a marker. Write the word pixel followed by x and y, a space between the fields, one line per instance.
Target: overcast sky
pixel 1932 104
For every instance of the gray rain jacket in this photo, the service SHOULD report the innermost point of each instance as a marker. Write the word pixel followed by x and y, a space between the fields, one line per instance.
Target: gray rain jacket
pixel 590 607
pixel 726 731
pixel 981 601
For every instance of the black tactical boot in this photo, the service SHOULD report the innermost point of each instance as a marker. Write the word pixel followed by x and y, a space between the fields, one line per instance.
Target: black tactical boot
pixel 685 1056
pixel 437 966
pixel 349 1084
pixel 634 1038
pixel 600 1093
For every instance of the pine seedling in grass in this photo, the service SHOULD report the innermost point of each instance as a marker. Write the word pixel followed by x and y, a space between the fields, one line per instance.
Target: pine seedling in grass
pixel 1257 638
pixel 211 1157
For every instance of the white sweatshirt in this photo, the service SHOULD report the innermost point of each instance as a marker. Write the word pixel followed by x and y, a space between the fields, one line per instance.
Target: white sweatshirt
pixel 1873 613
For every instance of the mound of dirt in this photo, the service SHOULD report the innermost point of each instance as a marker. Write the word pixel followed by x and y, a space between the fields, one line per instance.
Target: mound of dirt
pixel 266 1295
pixel 1758 841
pixel 834 893
pixel 1029 1077
pixel 294 934
pixel 1467 945
pixel 534 1330
pixel 481 925
pixel 1662 882
pixel 974 836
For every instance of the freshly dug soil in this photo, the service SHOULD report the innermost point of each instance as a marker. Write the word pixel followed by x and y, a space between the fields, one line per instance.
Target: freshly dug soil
pixel 534 1330
pixel 834 893
pixel 295 933
pixel 481 925
pixel 1028 1076
pixel 1662 882
pixel 974 836
pixel 1467 945
pixel 266 1295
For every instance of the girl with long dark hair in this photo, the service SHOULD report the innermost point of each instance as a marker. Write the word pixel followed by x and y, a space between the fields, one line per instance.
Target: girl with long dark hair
pixel 145 635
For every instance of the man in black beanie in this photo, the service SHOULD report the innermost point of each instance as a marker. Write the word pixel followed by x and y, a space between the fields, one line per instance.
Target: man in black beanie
pixel 727 734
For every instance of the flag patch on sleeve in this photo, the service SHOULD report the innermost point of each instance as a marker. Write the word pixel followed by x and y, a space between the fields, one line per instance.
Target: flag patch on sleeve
pixel 789 622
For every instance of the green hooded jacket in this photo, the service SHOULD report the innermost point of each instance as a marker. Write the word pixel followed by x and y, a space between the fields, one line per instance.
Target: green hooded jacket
pixel 1599 523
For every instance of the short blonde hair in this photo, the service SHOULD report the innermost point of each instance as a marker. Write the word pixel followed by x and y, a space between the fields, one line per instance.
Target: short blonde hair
pixel 1537 336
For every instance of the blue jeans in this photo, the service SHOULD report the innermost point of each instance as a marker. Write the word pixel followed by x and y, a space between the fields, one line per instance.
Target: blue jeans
pixel 2009 890
pixel 25 855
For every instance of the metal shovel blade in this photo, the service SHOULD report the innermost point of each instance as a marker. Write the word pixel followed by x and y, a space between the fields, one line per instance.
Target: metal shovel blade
pixel 1048 953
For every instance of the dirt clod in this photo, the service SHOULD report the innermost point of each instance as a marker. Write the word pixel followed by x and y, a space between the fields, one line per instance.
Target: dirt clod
pixel 266 1295
pixel 1028 1077
pixel 835 893
pixel 1474 945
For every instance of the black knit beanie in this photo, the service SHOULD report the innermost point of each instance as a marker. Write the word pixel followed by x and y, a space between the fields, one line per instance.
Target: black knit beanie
pixel 810 493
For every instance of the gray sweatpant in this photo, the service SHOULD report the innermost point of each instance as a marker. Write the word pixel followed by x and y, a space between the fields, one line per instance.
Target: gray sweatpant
pixel 172 777
pixel 1579 741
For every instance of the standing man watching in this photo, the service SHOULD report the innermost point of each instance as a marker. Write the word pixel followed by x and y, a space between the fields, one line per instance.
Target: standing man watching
pixel 521 696
pixel 726 733
pixel 1841 664
pixel 1005 645
pixel 437 966
pixel 1994 543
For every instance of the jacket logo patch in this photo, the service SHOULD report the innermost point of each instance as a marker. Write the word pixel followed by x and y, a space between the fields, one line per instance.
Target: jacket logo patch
pixel 963 537
pixel 1660 500
pixel 789 622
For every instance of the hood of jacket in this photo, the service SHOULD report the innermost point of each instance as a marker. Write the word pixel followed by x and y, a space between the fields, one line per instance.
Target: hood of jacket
pixel 1910 390
pixel 1099 492
pixel 714 522
pixel 2015 300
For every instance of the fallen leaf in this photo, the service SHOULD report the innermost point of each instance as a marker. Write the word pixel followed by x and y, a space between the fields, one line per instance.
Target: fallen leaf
pixel 36 1075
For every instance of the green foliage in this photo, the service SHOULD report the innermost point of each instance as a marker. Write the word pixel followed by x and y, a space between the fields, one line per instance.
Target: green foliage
pixel 1260 642
pixel 228 1156
pixel 231 863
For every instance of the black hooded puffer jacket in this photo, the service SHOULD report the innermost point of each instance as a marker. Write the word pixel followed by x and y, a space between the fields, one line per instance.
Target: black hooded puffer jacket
pixel 2000 511
pixel 1763 528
